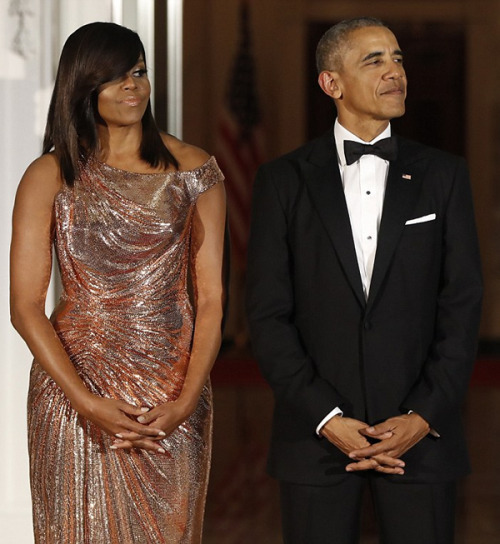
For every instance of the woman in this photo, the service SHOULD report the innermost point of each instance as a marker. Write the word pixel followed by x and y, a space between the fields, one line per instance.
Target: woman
pixel 119 407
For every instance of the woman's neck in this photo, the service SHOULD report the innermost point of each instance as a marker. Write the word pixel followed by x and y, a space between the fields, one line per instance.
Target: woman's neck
pixel 119 144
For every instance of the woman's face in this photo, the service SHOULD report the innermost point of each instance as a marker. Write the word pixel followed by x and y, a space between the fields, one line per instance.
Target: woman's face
pixel 123 101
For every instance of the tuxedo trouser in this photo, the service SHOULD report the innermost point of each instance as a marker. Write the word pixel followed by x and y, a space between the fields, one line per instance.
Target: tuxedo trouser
pixel 406 513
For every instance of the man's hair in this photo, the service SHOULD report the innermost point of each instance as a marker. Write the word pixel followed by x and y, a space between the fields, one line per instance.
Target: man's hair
pixel 332 45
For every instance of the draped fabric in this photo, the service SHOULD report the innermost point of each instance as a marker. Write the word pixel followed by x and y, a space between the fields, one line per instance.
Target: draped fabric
pixel 126 321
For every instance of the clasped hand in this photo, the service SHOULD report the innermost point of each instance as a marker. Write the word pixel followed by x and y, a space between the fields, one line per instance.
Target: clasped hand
pixel 132 426
pixel 395 437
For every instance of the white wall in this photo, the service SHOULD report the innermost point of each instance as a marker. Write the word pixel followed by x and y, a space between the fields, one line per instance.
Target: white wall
pixel 24 84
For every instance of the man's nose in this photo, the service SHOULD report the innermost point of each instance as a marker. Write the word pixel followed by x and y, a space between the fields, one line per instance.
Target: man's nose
pixel 396 72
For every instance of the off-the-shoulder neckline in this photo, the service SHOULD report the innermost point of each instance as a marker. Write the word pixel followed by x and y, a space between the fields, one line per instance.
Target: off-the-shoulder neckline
pixel 166 173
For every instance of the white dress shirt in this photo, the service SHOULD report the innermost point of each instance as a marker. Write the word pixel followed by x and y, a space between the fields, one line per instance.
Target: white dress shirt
pixel 364 187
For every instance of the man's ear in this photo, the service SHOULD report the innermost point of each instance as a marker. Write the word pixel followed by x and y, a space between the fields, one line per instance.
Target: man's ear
pixel 328 81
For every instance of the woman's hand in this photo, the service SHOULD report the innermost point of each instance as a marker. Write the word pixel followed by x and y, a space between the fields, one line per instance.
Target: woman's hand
pixel 166 417
pixel 117 417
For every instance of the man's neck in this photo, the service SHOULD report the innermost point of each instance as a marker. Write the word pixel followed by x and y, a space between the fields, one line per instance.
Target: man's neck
pixel 366 131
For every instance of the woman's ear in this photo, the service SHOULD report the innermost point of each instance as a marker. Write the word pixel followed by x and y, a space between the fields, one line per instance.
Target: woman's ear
pixel 328 81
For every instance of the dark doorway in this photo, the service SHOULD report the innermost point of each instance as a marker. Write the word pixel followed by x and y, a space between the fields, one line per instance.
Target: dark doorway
pixel 160 67
pixel 435 66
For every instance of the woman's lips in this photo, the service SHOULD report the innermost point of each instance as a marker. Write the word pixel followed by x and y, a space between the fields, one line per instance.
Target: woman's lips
pixel 132 101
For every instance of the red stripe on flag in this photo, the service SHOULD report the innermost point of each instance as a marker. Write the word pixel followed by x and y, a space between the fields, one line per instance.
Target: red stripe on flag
pixel 239 148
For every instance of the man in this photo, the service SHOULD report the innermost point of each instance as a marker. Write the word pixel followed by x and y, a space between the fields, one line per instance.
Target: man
pixel 364 294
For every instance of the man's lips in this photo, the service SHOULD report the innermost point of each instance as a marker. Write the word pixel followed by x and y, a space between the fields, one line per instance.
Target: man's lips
pixel 394 91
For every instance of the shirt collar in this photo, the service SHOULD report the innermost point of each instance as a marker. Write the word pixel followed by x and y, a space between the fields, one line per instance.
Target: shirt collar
pixel 342 134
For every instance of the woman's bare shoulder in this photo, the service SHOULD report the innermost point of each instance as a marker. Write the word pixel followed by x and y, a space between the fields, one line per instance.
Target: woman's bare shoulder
pixel 42 178
pixel 45 171
pixel 189 156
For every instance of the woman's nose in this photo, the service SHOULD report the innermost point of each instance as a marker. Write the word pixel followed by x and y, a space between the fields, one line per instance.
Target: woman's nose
pixel 129 83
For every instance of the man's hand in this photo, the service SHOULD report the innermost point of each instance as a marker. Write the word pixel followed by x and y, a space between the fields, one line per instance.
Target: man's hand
pixel 397 435
pixel 344 433
pixel 347 435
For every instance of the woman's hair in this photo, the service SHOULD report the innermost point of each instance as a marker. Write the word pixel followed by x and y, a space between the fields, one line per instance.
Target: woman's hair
pixel 94 54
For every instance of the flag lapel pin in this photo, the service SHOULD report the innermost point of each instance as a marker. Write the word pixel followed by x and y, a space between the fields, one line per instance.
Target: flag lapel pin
pixel 407 176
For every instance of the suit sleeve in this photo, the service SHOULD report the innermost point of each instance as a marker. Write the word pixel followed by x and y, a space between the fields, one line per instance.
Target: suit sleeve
pixel 276 342
pixel 441 388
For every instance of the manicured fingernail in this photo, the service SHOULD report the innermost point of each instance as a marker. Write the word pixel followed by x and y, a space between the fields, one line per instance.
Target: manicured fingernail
pixel 348 469
pixel 118 435
pixel 160 450
pixel 144 409
pixel 352 456
pixel 161 433
pixel 401 464
pixel 370 429
pixel 140 419
pixel 113 447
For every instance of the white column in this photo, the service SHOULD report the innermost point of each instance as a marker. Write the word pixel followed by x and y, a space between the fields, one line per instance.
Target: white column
pixel 139 16
pixel 174 76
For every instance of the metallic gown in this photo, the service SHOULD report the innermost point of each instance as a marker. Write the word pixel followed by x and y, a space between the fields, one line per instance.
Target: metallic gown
pixel 126 321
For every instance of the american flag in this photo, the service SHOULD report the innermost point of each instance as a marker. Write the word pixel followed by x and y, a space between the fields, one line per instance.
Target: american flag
pixel 239 141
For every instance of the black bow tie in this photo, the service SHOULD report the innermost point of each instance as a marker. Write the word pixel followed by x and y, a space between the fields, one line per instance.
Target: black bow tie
pixel 385 149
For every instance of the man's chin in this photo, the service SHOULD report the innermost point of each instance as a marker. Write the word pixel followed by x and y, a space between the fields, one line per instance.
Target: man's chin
pixel 389 115
pixel 398 113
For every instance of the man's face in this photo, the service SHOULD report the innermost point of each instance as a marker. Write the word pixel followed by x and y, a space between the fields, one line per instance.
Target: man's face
pixel 371 83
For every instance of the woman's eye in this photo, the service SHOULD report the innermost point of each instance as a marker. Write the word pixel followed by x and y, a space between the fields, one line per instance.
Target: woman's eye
pixel 139 73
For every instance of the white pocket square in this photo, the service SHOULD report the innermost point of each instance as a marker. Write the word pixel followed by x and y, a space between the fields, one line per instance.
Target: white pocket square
pixel 422 219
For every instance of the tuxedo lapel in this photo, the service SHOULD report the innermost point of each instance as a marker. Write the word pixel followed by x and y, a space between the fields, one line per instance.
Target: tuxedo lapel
pixel 322 176
pixel 403 186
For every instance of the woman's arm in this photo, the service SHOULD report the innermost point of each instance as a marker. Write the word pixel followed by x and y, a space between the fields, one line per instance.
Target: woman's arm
pixel 208 279
pixel 31 263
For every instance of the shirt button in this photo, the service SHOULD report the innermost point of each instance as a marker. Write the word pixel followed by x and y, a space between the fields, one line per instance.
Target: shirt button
pixel 368 192
pixel 368 237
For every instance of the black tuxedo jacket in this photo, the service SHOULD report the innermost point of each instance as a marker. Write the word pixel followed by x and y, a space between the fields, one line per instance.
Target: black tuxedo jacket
pixel 320 344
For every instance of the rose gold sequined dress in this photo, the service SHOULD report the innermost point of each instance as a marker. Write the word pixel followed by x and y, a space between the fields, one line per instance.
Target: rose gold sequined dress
pixel 125 319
